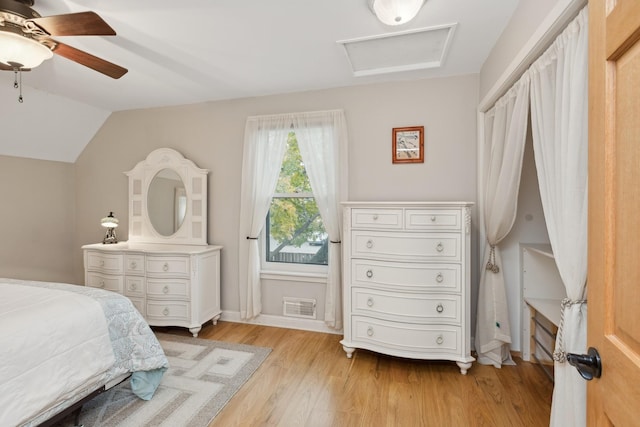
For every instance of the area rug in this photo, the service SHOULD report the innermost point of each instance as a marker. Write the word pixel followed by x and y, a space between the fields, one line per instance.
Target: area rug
pixel 203 376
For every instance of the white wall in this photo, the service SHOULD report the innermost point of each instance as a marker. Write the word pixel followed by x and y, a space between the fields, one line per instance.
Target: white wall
pixel 37 219
pixel 211 134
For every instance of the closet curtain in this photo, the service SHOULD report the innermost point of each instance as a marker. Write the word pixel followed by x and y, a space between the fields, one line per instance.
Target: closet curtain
pixel 322 142
pixel 321 137
pixel 265 142
pixel 559 118
pixel 505 132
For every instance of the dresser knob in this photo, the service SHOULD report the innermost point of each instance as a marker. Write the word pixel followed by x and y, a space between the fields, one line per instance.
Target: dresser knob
pixel 165 289
pixel 369 243
pixel 439 340
pixel 439 308
pixel 101 263
pixel 370 302
pixel 165 267
pixel 133 287
pixel 369 273
pixel 439 278
pixel 101 284
pixel 440 247
pixel 370 331
pixel 133 265
pixel 375 217
pixel 165 311
pixel 433 219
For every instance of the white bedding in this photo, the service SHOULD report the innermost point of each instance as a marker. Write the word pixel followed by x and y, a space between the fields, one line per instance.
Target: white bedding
pixel 52 343
pixel 59 342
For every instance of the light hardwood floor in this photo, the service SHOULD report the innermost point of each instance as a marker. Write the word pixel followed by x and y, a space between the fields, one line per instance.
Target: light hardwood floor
pixel 308 381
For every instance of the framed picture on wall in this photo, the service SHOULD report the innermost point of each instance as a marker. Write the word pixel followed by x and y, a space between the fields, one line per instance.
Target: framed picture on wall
pixel 408 144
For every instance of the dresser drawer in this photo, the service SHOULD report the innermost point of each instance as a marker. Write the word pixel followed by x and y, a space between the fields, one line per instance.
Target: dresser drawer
pixel 174 266
pixel 406 337
pixel 168 288
pixel 134 264
pixel 134 286
pixel 105 262
pixel 168 310
pixel 433 219
pixel 105 281
pixel 406 246
pixel 377 218
pixel 393 275
pixel 407 307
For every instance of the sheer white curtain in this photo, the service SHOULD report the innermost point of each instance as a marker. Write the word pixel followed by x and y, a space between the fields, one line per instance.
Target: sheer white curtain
pixel 505 132
pixel 265 142
pixel 322 142
pixel 559 118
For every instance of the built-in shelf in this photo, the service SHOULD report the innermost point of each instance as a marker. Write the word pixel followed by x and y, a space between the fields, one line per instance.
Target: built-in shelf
pixel 542 295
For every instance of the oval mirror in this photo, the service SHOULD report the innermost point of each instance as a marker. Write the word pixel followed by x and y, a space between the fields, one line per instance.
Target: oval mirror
pixel 166 202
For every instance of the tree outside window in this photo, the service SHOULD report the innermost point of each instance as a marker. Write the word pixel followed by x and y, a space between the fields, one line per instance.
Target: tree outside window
pixel 294 230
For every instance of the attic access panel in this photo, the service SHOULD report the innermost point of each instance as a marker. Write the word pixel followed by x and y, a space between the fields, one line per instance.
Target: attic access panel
pixel 404 51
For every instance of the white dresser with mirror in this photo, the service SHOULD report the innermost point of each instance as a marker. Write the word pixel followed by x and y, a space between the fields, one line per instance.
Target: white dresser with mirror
pixel 166 268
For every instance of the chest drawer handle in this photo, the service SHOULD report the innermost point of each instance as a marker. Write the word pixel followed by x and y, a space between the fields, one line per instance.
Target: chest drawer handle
pixel 165 289
pixel 439 308
pixel 101 284
pixel 375 217
pixel 133 265
pixel 369 273
pixel 369 243
pixel 133 287
pixel 433 219
pixel 440 247
pixel 165 311
pixel 439 278
pixel 370 331
pixel 370 302
pixel 165 267
pixel 439 340
pixel 101 263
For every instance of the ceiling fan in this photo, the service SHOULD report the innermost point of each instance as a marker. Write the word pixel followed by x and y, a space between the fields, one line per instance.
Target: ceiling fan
pixel 25 38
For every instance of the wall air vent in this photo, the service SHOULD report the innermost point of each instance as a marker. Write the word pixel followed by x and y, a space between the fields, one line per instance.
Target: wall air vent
pixel 402 51
pixel 299 307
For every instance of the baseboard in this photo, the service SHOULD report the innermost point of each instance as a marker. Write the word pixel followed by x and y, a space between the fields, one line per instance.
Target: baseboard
pixel 281 322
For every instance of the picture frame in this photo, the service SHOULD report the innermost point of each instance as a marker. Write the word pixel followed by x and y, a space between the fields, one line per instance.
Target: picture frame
pixel 408 144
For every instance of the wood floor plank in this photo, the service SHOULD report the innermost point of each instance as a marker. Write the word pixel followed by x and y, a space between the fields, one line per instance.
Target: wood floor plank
pixel 308 381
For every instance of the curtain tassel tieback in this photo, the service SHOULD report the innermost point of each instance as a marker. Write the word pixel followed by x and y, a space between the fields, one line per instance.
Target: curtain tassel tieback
pixel 559 355
pixel 491 264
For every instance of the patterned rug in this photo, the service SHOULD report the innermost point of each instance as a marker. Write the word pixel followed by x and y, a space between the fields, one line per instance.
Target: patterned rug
pixel 203 376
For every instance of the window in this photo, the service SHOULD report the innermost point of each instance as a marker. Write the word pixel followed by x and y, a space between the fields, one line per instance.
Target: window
pixel 294 233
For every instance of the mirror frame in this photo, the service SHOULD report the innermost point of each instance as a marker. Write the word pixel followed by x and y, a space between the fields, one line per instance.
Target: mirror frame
pixel 194 227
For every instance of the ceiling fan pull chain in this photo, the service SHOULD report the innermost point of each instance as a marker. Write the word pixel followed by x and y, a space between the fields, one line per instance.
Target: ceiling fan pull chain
pixel 18 85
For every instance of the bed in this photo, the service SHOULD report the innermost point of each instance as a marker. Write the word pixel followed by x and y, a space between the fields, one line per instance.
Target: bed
pixel 60 343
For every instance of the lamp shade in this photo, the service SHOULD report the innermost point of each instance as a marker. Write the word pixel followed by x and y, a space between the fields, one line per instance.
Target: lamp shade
pixel 109 221
pixel 396 12
pixel 17 49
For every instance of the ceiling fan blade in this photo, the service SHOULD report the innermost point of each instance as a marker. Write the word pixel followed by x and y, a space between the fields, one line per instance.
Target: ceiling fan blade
pixel 75 24
pixel 88 60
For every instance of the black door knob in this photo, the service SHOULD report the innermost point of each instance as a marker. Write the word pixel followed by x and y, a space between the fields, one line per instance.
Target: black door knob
pixel 588 365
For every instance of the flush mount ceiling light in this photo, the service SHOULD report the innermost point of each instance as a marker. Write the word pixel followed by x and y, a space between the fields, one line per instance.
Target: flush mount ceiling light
pixel 396 12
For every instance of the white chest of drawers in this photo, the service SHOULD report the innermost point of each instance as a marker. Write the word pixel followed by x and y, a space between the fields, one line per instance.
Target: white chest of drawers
pixel 170 285
pixel 406 280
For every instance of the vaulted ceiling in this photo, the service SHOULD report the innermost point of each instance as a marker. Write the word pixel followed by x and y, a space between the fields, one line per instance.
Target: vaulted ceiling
pixel 183 52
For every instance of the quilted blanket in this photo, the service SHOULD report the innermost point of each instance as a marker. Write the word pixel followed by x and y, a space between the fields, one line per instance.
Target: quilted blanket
pixel 132 346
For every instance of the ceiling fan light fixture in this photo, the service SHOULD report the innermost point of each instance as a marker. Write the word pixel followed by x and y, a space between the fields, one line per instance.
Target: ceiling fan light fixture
pixel 395 12
pixel 24 51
